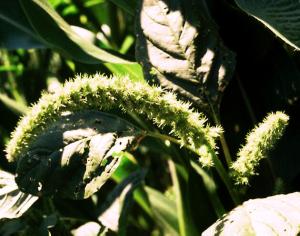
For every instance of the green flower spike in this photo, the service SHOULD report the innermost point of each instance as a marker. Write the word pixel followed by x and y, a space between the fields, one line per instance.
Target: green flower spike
pixel 105 94
pixel 258 143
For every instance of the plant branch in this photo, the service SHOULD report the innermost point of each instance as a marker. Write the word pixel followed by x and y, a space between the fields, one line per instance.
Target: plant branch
pixel 218 165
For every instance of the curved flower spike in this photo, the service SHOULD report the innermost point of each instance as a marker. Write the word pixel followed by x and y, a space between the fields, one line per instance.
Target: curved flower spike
pixel 101 93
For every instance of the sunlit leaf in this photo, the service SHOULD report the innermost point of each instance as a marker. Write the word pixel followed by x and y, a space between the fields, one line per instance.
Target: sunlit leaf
pixel 13 202
pixel 57 34
pixel 179 47
pixel 280 16
pixel 31 24
pixel 134 71
pixel 276 215
pixel 75 156
pixel 88 229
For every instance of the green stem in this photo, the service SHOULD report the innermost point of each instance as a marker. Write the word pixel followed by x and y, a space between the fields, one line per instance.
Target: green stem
pixel 224 145
pixel 164 138
pixel 225 178
pixel 218 165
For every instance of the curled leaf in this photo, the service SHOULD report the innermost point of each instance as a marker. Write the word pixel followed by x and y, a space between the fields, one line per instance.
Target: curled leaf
pixel 75 155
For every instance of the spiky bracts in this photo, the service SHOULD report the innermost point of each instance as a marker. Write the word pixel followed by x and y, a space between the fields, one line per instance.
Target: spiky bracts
pixel 102 93
pixel 258 143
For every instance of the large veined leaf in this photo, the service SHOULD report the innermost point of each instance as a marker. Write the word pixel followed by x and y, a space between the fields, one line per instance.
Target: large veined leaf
pixel 75 155
pixel 13 202
pixel 114 212
pixel 276 215
pixel 280 16
pixel 179 47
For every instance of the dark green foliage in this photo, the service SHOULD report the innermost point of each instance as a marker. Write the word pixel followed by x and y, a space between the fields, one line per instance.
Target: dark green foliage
pixel 138 171
pixel 75 156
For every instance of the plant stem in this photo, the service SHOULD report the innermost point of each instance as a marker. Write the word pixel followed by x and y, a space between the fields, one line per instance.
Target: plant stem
pixel 225 178
pixel 218 165
pixel 224 145
pixel 164 137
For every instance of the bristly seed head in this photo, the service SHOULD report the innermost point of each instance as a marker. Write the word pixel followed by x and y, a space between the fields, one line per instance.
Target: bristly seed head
pixel 101 93
pixel 258 143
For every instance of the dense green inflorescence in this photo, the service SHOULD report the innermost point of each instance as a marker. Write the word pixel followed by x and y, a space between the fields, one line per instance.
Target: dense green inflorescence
pixel 258 143
pixel 101 93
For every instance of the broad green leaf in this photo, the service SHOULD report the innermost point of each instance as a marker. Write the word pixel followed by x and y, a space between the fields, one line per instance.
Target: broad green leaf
pixel 134 71
pixel 276 215
pixel 15 30
pixel 185 222
pixel 164 211
pixel 114 211
pixel 42 22
pixel 128 165
pixel 280 16
pixel 58 34
pixel 179 47
pixel 75 155
pixel 13 202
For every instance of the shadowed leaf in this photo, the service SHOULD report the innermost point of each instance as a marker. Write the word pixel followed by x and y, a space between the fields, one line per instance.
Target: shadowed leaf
pixel 280 16
pixel 75 156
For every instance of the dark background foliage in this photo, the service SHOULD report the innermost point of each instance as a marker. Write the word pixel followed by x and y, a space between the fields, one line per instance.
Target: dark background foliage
pixel 266 78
